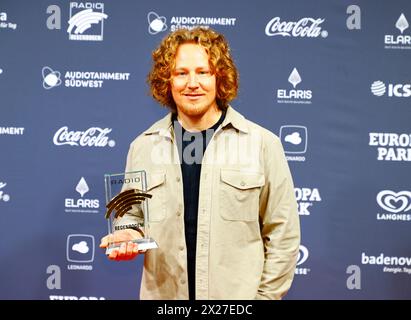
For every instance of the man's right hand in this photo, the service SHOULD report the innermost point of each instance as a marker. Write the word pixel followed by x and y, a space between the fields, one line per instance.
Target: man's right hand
pixel 128 250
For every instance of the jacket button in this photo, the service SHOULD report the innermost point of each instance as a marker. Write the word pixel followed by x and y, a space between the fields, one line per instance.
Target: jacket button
pixel 242 183
pixel 182 281
pixel 178 179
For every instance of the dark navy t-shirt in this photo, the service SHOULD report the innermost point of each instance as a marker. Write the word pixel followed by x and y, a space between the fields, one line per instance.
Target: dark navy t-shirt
pixel 191 147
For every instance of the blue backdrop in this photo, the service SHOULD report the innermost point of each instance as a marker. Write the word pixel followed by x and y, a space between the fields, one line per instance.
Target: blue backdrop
pixel 331 78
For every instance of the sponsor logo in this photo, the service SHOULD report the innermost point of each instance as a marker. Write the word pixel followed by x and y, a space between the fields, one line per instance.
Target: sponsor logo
pixel 294 141
pixel 294 95
pixel 399 41
pixel 80 79
pixel 61 297
pixel 392 264
pixel 157 23
pixel 301 259
pixel 80 250
pixel 303 28
pixel 92 137
pixel 5 23
pixel 3 196
pixel 379 89
pixel 306 197
pixel 12 131
pixel 82 205
pixel 391 146
pixel 396 204
pixel 86 21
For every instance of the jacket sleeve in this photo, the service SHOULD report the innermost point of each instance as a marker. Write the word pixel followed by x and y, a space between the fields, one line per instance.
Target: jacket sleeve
pixel 280 223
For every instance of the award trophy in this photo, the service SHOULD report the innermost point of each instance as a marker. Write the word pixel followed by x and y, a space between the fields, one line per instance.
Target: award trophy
pixel 127 208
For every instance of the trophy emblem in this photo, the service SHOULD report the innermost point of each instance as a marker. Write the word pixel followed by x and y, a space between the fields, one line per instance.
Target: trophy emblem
pixel 127 208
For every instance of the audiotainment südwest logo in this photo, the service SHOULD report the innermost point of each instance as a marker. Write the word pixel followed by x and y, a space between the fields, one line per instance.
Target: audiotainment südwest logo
pixel 80 79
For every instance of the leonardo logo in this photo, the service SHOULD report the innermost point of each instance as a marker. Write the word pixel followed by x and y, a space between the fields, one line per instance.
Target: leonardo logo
pixel 301 259
pixel 86 21
pixel 3 196
pixel 82 205
pixel 306 198
pixel 379 89
pixel 294 139
pixel 294 95
pixel 304 28
pixel 92 137
pixel 399 41
pixel 396 203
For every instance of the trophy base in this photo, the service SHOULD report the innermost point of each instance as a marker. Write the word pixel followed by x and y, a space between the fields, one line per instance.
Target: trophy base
pixel 143 244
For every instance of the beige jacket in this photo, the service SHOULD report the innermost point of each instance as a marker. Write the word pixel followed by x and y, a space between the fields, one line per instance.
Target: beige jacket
pixel 248 232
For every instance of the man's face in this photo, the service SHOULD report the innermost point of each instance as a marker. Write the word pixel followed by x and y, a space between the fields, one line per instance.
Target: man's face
pixel 192 85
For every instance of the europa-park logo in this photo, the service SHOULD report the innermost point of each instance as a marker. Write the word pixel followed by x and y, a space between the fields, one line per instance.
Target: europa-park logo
pixel 391 146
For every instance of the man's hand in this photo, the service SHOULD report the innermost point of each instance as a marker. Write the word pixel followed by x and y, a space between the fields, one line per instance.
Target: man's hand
pixel 128 250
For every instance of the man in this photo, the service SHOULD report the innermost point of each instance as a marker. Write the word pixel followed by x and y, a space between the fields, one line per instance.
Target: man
pixel 223 210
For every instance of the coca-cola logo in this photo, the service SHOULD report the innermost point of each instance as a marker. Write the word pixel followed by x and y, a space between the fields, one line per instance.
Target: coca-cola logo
pixel 305 27
pixel 92 137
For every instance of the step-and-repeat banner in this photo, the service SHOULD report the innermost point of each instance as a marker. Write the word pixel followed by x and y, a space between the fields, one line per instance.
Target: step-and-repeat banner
pixel 331 78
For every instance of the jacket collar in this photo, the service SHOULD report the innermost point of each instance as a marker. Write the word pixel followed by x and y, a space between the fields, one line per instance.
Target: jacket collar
pixel 163 127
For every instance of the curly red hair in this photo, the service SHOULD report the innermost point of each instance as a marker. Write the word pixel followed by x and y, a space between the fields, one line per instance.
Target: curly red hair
pixel 220 60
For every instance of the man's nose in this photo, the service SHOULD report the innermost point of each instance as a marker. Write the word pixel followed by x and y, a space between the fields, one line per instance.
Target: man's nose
pixel 192 80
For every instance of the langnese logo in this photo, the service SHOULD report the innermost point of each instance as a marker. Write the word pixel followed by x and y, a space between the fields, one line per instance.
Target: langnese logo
pixel 80 79
pixel 158 23
pixel 86 21
pixel 401 90
pixel 402 40
pixel 294 140
pixel 12 131
pixel 80 250
pixel 294 95
pixel 301 259
pixel 91 137
pixel 306 197
pixel 303 28
pixel 3 195
pixel 5 23
pixel 392 264
pixel 391 146
pixel 82 204
pixel 395 205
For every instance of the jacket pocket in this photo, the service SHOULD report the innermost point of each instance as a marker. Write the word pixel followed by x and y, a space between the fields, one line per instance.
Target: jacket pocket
pixel 156 187
pixel 239 194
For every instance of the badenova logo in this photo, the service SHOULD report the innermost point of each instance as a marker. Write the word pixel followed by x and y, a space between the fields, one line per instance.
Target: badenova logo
pixel 3 196
pixel 399 41
pixel 392 264
pixel 395 205
pixel 91 137
pixel 82 205
pixel 303 28
pixel 391 146
pixel 86 21
pixel 306 197
pixel 298 96
pixel 80 79
pixel 402 90
pixel 301 259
